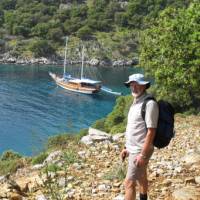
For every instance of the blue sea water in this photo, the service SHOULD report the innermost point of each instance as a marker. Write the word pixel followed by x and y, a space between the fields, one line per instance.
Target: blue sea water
pixel 32 107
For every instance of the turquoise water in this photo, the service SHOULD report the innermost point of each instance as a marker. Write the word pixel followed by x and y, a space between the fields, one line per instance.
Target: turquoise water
pixel 32 107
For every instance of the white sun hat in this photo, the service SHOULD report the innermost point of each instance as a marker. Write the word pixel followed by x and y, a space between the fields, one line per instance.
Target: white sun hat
pixel 138 78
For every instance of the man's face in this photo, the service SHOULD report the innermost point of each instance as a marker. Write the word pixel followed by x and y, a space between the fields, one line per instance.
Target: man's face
pixel 136 89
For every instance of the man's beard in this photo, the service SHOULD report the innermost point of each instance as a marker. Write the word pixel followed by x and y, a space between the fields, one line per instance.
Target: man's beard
pixel 137 94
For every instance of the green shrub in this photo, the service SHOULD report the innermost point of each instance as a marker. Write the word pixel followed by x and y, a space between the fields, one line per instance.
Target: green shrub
pixel 10 166
pixel 10 161
pixel 41 29
pixel 51 186
pixel 82 132
pixel 119 128
pixel 41 48
pixel 171 58
pixel 119 113
pixel 191 111
pixel 64 140
pixel 117 172
pixel 182 115
pixel 52 168
pixel 70 157
pixel 59 141
pixel 84 33
pixel 10 155
pixel 99 124
pixel 55 34
pixel 115 122
pixel 40 158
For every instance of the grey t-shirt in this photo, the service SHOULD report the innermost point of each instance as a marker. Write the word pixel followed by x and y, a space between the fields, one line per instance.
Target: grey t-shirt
pixel 136 127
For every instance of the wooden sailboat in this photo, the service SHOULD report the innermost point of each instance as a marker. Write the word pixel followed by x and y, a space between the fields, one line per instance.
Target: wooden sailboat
pixel 80 85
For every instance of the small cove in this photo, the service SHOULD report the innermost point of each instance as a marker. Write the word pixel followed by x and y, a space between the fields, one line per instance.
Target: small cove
pixel 33 108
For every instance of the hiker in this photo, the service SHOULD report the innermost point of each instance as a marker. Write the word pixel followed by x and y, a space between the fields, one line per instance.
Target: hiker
pixel 139 137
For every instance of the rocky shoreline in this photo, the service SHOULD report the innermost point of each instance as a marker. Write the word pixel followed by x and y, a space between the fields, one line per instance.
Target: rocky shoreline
pixel 174 172
pixel 8 59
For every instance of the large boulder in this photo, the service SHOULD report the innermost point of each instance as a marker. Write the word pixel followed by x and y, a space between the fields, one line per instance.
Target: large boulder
pixel 94 62
pixel 98 136
pixel 87 140
pixel 95 135
pixel 53 157
pixel 117 137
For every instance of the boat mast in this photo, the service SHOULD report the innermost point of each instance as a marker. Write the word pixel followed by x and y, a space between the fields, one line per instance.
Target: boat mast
pixel 82 60
pixel 65 60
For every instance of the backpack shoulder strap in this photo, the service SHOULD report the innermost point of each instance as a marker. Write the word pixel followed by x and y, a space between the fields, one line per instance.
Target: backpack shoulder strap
pixel 143 110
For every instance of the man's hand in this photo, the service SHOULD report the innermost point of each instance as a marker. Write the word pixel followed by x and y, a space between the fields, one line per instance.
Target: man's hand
pixel 124 153
pixel 140 161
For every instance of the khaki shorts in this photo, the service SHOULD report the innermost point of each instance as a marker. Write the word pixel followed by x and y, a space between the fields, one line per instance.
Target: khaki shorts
pixel 136 173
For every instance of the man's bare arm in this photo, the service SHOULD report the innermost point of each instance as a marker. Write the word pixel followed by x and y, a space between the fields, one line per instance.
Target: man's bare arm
pixel 148 141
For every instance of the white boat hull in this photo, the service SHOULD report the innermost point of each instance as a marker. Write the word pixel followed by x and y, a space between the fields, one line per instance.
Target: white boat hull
pixel 74 88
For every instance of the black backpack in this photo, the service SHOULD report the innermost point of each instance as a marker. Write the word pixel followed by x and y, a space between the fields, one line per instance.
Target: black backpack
pixel 165 128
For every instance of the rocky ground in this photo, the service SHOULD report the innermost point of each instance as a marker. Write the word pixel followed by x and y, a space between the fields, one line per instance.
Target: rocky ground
pixel 97 172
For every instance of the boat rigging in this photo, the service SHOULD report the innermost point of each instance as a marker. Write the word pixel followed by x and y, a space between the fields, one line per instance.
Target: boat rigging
pixel 82 84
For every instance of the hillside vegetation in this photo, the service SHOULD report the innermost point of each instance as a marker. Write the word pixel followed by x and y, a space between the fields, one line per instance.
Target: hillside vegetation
pixel 112 27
